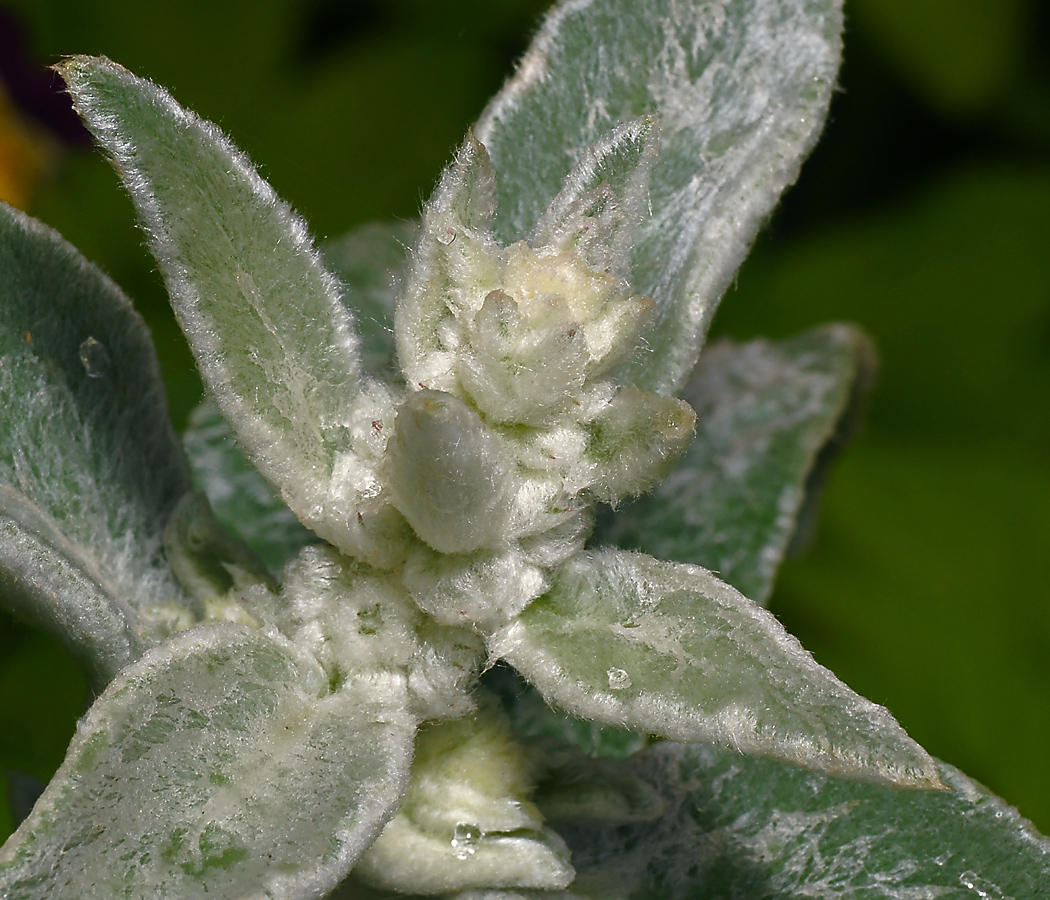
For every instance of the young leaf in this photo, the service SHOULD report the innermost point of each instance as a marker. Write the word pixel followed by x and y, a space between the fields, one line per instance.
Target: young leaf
pixel 356 621
pixel 754 828
pixel 769 418
pixel 466 821
pixel 668 649
pixel 91 465
pixel 740 89
pixel 372 262
pixel 273 341
pixel 217 764
pixel 454 264
pixel 604 197
pixel 243 501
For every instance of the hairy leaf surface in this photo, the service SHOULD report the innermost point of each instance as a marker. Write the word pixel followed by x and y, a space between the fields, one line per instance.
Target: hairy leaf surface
pixel 769 417
pixel 273 341
pixel 217 765
pixel 740 89
pixel 668 649
pixel 90 464
pixel 738 827
pixel 467 821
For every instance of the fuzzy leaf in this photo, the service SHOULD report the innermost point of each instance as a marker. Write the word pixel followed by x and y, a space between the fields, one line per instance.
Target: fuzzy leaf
pixel 91 465
pixel 604 197
pixel 356 621
pixel 51 582
pixel 740 89
pixel 449 475
pixel 466 821
pixel 769 417
pixel 757 829
pixel 241 498
pixel 455 262
pixel 372 262
pixel 273 341
pixel 217 764
pixel 209 563
pixel 668 649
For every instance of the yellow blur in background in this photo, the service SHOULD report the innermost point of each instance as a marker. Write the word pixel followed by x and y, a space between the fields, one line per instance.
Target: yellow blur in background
pixel 28 155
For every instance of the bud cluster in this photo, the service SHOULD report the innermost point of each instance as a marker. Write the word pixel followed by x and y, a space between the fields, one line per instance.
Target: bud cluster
pixel 512 426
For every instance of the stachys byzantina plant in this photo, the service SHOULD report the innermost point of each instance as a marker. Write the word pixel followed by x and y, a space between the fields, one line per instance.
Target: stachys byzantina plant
pixel 351 678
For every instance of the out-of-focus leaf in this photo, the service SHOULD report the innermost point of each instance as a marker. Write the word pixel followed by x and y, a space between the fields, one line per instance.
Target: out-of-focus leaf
pixel 210 563
pixel 89 463
pixel 534 719
pixel 740 90
pixel 668 649
pixel 758 829
pixel 371 261
pixel 959 55
pixel 220 764
pixel 576 788
pixel 264 318
pixel 242 499
pixel 768 417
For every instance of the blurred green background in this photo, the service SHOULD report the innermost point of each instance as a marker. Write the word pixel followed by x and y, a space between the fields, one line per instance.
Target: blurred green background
pixel 923 215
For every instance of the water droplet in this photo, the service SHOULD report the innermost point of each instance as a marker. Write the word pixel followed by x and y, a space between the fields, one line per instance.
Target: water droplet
pixel 94 357
pixel 446 235
pixel 618 679
pixel 982 887
pixel 465 840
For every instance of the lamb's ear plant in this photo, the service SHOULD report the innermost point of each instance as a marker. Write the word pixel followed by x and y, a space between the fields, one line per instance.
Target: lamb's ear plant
pixel 371 627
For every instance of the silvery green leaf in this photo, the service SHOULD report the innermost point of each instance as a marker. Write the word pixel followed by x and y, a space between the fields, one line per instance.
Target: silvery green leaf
pixel 769 417
pixel 604 198
pixel 455 263
pixel 89 464
pixel 53 583
pixel 219 764
pixel 668 649
pixel 739 827
pixel 263 316
pixel 740 90
pixel 635 441
pixel 466 821
pixel 372 261
pixel 243 501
